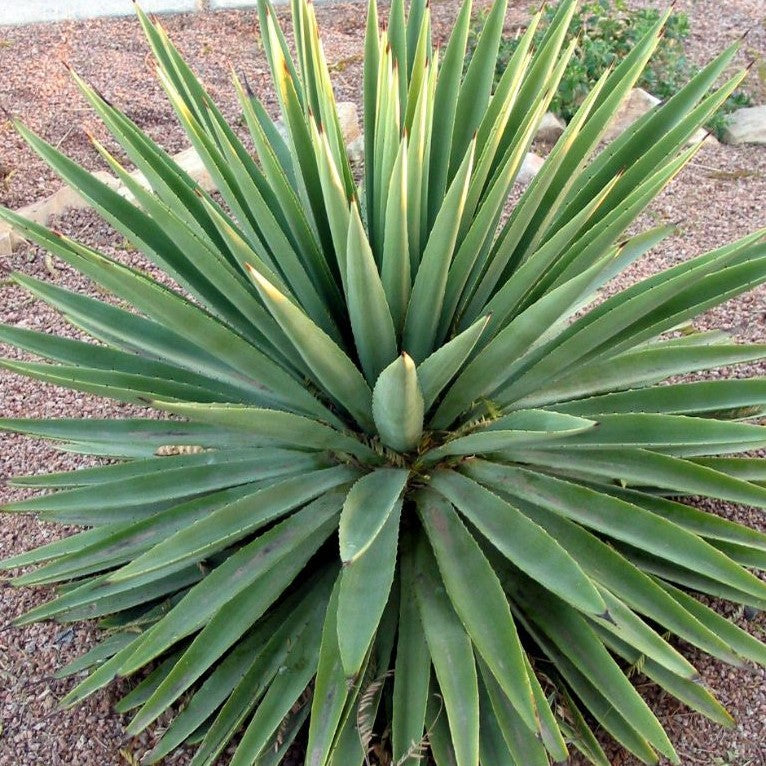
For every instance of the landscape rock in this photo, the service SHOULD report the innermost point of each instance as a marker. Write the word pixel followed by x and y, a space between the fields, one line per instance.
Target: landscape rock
pixel 551 128
pixel 699 134
pixel 7 240
pixel 355 150
pixel 530 167
pixel 347 117
pixel 636 105
pixel 746 126
pixel 349 121
pixel 43 210
pixel 192 163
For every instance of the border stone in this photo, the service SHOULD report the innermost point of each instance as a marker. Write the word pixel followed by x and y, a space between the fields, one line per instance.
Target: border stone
pixel 746 126
pixel 530 167
pixel 550 129
pixel 636 105
pixel 31 11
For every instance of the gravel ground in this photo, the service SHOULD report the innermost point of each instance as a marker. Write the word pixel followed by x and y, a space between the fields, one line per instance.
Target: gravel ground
pixel 721 196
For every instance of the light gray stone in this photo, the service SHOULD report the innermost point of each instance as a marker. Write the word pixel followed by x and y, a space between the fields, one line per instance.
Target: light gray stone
pixel 192 163
pixel 699 135
pixel 355 150
pixel 30 11
pixel 636 105
pixel 349 121
pixel 7 243
pixel 746 126
pixel 551 128
pixel 347 117
pixel 530 167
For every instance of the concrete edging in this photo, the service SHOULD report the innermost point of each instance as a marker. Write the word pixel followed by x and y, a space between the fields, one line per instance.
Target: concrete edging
pixel 66 198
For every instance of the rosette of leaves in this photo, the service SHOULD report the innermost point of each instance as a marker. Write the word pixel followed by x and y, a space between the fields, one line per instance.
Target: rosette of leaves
pixel 415 484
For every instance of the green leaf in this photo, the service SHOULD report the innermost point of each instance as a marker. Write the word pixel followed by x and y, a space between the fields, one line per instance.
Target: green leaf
pixel 680 398
pixel 127 540
pixel 395 263
pixel 211 471
pixel 451 654
pixel 521 540
pixel 581 735
pixel 130 332
pixel 368 309
pixel 501 357
pixel 411 675
pixel 219 591
pixel 221 684
pixel 132 469
pixel 98 597
pixel 739 640
pixel 629 627
pixel 234 521
pixel 275 751
pixel 140 693
pixel 81 354
pixel 331 687
pixel 688 691
pixel 397 405
pixel 446 96
pixel 477 597
pixel 522 744
pixel 275 426
pixel 332 368
pixel 638 368
pixel 422 320
pixel 606 566
pixel 99 678
pixel 439 735
pixel 370 98
pixel 274 384
pixel 618 519
pixel 365 585
pixel 367 508
pixel 436 371
pixel 513 431
pixel 297 627
pixel 96 656
pixel 125 387
pixel 476 88
pixel 289 683
pixel 665 432
pixel 576 641
pixel 644 467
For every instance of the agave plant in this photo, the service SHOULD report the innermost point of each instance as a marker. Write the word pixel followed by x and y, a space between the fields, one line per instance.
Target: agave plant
pixel 416 485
